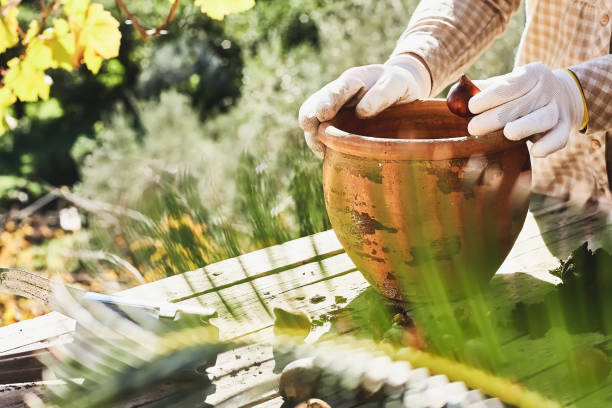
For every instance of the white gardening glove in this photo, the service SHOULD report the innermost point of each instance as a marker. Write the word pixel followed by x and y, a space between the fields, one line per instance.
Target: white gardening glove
pixel 372 88
pixel 530 100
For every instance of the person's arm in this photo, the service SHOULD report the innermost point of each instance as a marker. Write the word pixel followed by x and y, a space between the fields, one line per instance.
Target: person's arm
pixel 442 38
pixel 595 77
pixel 449 35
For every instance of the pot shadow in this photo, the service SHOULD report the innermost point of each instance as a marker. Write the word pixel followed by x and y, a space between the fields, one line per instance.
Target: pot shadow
pixel 565 226
pixel 490 313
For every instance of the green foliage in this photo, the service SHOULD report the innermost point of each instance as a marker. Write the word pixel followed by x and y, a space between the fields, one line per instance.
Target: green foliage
pixel 81 100
pixel 13 187
pixel 111 360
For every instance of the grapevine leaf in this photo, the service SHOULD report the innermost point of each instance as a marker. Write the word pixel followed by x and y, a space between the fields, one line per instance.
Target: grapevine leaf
pixel 8 29
pixel 218 9
pixel 52 49
pixel 7 98
pixel 92 60
pixel 33 29
pixel 101 32
pixel 76 9
pixel 38 55
pixel 26 80
pixel 98 37
pixel 62 44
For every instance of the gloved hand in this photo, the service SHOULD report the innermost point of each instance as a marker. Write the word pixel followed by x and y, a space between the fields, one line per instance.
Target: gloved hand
pixel 530 100
pixel 372 88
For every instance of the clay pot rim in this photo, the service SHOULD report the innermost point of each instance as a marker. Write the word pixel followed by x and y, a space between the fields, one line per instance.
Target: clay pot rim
pixel 414 149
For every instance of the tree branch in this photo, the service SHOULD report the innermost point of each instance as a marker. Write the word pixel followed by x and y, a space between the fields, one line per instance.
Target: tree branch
pixel 169 18
pixel 140 29
pixel 20 32
pixel 46 12
pixel 99 206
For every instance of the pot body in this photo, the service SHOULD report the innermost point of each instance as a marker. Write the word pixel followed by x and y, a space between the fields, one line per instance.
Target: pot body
pixel 418 222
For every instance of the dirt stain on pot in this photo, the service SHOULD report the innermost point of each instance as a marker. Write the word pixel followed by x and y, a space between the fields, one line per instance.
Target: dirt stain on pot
pixel 369 225
pixel 450 178
pixel 370 257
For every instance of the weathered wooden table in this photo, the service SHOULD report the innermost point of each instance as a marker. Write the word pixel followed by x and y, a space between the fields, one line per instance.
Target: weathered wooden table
pixel 311 274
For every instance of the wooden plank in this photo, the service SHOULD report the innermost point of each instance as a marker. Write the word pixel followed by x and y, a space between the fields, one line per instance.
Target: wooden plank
pixel 315 299
pixel 39 345
pixel 12 395
pixel 23 364
pixel 21 368
pixel 530 254
pixel 251 378
pixel 230 363
pixel 552 235
pixel 273 403
pixel 34 330
pixel 247 307
pixel 244 268
pixel 253 364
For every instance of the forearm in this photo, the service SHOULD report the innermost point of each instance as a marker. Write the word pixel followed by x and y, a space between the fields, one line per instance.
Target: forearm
pixel 595 77
pixel 449 35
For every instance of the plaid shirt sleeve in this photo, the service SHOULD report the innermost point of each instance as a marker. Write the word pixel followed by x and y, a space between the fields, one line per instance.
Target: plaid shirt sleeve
pixel 451 34
pixel 595 77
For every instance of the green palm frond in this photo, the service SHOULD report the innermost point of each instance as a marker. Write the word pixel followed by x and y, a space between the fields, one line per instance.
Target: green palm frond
pixel 115 358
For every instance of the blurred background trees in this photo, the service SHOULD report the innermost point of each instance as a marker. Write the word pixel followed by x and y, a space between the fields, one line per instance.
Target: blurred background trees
pixel 197 131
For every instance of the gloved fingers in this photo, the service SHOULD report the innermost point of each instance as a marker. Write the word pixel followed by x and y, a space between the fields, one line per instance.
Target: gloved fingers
pixel 538 121
pixel 502 89
pixel 391 87
pixel 325 103
pixel 307 116
pixel 335 95
pixel 553 140
pixel 313 142
pixel 497 117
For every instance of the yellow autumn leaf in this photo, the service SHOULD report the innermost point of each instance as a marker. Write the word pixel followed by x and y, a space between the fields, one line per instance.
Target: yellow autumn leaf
pixel 92 60
pixel 218 9
pixel 76 9
pixel 100 32
pixel 7 98
pixel 38 55
pixel 26 81
pixel 53 48
pixel 61 44
pixel 8 29
pixel 32 31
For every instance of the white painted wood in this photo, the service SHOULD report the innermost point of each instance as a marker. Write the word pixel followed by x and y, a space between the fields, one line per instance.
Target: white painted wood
pixel 34 330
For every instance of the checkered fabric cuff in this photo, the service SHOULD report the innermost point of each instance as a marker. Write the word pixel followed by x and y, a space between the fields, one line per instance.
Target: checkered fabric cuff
pixel 596 82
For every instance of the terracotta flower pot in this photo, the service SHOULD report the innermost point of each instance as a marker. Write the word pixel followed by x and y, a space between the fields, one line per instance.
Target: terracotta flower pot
pixel 422 208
